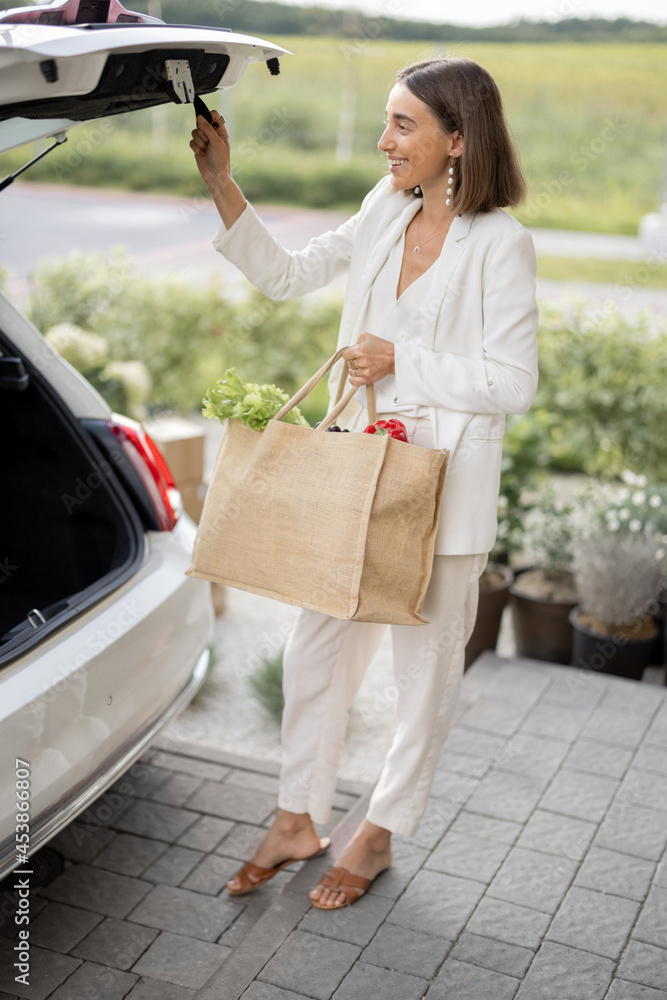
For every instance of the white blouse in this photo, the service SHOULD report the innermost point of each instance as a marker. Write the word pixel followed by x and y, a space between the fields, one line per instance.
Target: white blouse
pixel 397 320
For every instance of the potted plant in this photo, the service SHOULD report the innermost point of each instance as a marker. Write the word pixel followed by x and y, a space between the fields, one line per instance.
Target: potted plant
pixel 542 597
pixel 619 570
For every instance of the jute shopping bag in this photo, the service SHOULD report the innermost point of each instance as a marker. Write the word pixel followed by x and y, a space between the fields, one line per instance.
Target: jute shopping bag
pixel 344 524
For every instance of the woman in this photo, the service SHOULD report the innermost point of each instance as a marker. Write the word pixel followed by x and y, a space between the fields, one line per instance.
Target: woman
pixel 440 310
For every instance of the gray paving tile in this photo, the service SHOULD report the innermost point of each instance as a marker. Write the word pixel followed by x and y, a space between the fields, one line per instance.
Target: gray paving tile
pixel 464 739
pixel 47 970
pixel 633 830
pixel 189 765
pixel 241 842
pixel 211 874
pixel 408 858
pixel 499 830
pixel 598 758
pixel 92 980
pixel 644 788
pixel 510 959
pixel 547 719
pixel 499 716
pixel 621 989
pixel 585 796
pixel 98 890
pixel 245 805
pixel 627 695
pixel 151 989
pixel 61 927
pixel 356 924
pixel 462 981
pixel 520 680
pixel 127 854
pixel 80 843
pixel 594 922
pixel 142 779
pixel 173 866
pixel 615 873
pixel 438 815
pixel 554 833
pixel 651 759
pixel 530 878
pixel 657 731
pixel 437 904
pixel 309 964
pixel 106 810
pixel 534 756
pixel 252 779
pixel 449 785
pixel 206 834
pixel 496 918
pixel 185 912
pixel 463 763
pixel 467 856
pixel 403 950
pixel 176 790
pixel 616 725
pixel 9 902
pixel 645 964
pixel 365 981
pixel 661 874
pixel 506 796
pixel 559 971
pixel 153 819
pixel 652 924
pixel 181 960
pixel 576 688
pixel 115 942
pixel 265 991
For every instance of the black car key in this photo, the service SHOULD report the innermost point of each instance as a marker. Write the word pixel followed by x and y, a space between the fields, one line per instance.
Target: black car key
pixel 201 109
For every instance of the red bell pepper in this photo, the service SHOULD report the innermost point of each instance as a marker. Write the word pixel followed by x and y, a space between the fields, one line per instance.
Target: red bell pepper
pixel 394 428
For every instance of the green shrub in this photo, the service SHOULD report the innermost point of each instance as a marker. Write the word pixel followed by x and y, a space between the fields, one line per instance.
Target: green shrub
pixel 267 685
pixel 600 404
pixel 187 335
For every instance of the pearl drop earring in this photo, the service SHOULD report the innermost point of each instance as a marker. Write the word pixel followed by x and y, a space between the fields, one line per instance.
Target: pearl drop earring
pixel 449 188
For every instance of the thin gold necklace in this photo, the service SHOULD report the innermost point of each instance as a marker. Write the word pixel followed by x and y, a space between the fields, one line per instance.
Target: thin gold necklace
pixel 418 248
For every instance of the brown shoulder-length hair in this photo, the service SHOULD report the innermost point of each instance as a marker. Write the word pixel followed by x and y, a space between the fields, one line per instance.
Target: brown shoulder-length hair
pixel 463 96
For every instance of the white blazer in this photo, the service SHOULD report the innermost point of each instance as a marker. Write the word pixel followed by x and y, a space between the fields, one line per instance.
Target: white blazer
pixel 471 356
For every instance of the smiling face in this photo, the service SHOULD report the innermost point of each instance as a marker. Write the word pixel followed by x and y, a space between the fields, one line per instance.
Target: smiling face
pixel 416 147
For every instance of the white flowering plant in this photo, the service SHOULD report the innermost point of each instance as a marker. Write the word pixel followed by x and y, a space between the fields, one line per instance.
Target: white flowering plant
pixel 636 509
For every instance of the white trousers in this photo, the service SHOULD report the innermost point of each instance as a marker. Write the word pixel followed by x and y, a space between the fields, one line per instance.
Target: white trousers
pixel 323 666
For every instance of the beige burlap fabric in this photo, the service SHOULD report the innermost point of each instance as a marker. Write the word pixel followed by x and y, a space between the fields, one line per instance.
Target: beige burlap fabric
pixel 344 524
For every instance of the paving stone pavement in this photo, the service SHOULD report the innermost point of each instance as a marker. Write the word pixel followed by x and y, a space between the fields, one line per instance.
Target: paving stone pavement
pixel 140 910
pixel 539 871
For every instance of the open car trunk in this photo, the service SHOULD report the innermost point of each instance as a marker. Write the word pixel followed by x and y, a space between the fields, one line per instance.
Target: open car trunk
pixel 69 534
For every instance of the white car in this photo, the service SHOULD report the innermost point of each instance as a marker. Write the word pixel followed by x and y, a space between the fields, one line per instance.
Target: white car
pixel 103 639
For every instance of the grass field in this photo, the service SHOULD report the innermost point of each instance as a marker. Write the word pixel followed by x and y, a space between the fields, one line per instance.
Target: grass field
pixel 589 121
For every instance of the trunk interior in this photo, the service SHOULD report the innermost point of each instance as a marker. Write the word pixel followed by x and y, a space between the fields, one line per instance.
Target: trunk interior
pixel 65 542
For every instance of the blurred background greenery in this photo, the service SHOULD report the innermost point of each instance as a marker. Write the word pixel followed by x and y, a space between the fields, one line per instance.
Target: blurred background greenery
pixel 589 120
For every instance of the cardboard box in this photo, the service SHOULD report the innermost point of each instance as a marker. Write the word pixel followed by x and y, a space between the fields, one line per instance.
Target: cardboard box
pixel 182 444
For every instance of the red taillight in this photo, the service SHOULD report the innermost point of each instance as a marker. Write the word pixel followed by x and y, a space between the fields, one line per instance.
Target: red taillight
pixel 147 459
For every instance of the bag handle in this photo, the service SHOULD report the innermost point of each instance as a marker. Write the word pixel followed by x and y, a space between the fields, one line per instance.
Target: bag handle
pixel 340 402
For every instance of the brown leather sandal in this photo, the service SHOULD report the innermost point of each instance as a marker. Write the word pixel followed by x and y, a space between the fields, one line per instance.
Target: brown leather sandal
pixel 260 876
pixel 340 879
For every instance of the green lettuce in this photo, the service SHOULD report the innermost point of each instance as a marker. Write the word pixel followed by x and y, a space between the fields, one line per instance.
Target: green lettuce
pixel 254 404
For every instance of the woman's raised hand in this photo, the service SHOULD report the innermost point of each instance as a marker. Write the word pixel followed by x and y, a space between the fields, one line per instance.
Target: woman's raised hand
pixel 213 158
pixel 372 357
pixel 212 150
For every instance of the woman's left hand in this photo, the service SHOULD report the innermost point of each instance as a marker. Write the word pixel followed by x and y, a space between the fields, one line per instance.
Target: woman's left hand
pixel 372 357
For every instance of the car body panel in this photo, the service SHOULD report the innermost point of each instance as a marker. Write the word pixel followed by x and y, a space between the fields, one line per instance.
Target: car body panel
pixel 81 398
pixel 72 701
pixel 79 59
